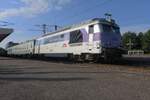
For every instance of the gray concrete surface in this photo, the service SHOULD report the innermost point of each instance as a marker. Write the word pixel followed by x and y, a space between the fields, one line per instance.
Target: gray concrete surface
pixel 22 79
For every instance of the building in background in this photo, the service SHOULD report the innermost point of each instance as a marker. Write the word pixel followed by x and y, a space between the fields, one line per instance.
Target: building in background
pixel 4 32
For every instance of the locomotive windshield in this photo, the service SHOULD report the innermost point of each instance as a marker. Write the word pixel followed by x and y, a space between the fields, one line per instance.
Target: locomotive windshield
pixel 116 29
pixel 110 29
pixel 110 36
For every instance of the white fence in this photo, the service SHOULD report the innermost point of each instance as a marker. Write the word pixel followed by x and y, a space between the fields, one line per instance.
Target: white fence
pixel 136 52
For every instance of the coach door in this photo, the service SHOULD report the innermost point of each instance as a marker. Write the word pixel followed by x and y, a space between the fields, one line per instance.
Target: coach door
pixel 39 44
pixel 37 47
pixel 91 37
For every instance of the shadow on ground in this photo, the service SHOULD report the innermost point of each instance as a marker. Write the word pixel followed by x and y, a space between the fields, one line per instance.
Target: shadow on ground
pixel 43 79
pixel 135 61
pixel 126 61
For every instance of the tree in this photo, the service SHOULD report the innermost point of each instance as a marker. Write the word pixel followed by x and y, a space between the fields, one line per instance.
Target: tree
pixel 139 40
pixel 129 40
pixel 146 42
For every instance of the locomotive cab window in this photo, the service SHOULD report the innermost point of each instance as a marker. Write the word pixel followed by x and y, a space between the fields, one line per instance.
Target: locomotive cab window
pixel 107 28
pixel 116 29
pixel 91 29
pixel 76 37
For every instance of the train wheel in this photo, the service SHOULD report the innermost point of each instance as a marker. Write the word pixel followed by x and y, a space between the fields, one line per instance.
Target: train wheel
pixel 70 57
pixel 108 58
pixel 78 58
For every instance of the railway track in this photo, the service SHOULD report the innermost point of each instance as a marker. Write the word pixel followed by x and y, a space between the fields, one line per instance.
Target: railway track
pixel 138 61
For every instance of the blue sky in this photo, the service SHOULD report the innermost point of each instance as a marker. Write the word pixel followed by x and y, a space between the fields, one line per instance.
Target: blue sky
pixel 131 15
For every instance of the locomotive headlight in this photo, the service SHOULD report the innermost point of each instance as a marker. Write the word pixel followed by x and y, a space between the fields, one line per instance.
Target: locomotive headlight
pixel 97 44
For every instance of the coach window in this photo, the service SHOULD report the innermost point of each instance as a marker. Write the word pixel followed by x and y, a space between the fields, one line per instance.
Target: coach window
pixel 76 37
pixel 62 36
pixel 91 29
pixel 46 40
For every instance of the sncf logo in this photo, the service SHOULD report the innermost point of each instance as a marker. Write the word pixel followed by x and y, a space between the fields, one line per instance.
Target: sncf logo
pixel 64 45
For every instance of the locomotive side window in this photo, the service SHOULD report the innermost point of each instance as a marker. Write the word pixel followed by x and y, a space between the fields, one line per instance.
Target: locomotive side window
pixel 76 37
pixel 91 29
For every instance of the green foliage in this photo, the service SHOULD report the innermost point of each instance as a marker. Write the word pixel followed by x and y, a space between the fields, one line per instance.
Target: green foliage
pixel 129 40
pixel 138 41
pixel 146 42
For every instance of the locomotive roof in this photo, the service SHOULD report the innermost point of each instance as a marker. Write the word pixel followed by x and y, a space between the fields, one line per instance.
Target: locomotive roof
pixel 98 20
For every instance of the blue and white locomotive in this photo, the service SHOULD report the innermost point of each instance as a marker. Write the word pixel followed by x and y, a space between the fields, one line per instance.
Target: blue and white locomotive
pixel 90 40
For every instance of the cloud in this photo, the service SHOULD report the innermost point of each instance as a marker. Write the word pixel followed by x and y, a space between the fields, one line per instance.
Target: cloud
pixel 136 28
pixel 33 7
